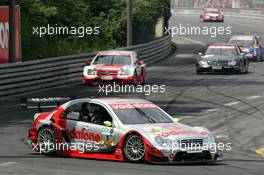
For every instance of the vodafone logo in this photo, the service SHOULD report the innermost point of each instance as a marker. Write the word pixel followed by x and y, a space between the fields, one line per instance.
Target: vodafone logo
pixel 132 106
pixel 4 31
pixel 83 135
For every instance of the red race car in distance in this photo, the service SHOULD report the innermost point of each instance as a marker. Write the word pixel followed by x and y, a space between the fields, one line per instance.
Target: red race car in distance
pixel 211 14
pixel 115 66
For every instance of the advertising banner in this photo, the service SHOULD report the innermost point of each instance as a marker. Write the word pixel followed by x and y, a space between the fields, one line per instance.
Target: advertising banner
pixel 4 33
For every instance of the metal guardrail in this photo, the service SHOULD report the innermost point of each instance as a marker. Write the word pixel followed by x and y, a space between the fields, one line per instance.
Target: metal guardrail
pixel 45 73
pixel 236 13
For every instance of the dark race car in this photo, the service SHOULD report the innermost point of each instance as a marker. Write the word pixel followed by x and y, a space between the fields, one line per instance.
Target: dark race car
pixel 221 58
pixel 249 44
pixel 211 14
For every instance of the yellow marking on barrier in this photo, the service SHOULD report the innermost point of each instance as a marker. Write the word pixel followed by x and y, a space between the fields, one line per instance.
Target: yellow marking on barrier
pixel 176 119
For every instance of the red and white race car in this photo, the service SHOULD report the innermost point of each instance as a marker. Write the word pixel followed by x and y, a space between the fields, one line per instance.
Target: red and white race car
pixel 211 14
pixel 115 66
pixel 117 129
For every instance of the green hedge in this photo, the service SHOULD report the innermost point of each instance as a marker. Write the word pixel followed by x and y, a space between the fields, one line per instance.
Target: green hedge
pixel 109 15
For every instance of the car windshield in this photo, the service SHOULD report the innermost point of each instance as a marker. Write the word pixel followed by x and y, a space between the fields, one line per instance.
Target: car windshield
pixel 221 51
pixel 112 59
pixel 213 11
pixel 241 42
pixel 142 116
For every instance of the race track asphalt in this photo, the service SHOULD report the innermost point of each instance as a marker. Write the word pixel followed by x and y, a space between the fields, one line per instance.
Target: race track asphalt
pixel 231 106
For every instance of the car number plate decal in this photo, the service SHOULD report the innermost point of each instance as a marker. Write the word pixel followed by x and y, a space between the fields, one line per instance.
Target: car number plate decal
pixel 217 67
pixel 106 78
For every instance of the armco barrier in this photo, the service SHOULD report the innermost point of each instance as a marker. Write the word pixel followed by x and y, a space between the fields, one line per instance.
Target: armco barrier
pixel 235 13
pixel 39 74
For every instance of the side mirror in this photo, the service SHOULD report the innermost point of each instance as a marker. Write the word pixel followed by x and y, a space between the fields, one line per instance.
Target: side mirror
pixel 249 55
pixel 200 54
pixel 88 63
pixel 107 123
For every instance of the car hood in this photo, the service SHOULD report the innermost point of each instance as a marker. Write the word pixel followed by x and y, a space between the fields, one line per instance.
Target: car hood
pixel 213 14
pixel 170 131
pixel 110 67
pixel 218 58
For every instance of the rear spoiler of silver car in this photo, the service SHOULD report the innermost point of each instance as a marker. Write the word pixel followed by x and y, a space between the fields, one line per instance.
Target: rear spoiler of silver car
pixel 41 103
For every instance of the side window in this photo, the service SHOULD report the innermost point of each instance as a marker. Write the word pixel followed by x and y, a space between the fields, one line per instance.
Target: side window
pixel 76 112
pixel 98 114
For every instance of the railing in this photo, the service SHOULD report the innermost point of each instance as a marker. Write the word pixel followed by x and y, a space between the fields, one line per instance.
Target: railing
pixel 45 73
pixel 236 13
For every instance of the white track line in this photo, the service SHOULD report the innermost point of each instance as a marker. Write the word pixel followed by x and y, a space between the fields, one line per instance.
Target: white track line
pixel 253 97
pixel 7 164
pixel 194 41
pixel 221 136
pixel 232 103
pixel 211 110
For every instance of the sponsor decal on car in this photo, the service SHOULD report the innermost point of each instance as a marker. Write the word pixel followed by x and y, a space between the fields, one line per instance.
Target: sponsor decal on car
pixel 132 106
pixel 84 135
pixel 181 132
pixel 170 130
pixel 107 131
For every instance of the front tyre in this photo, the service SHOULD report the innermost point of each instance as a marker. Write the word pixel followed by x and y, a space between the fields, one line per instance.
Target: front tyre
pixel 46 141
pixel 134 148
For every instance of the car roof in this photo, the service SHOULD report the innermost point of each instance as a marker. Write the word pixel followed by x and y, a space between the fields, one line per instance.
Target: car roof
pixel 116 52
pixel 242 36
pixel 106 100
pixel 118 100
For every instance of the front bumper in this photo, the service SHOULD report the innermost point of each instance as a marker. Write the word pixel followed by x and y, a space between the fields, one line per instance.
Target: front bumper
pixel 213 18
pixel 157 156
pixel 185 158
pixel 218 69
pixel 108 79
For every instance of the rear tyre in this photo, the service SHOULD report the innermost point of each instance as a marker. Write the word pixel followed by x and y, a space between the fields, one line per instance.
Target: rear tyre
pixel 134 149
pixel 243 68
pixel 144 78
pixel 136 79
pixel 260 56
pixel 46 141
pixel 199 72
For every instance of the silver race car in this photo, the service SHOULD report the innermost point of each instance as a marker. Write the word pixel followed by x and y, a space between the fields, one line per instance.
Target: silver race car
pixel 119 129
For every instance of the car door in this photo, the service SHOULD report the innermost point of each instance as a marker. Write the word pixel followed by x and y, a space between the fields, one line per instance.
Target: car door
pixel 71 118
pixel 101 135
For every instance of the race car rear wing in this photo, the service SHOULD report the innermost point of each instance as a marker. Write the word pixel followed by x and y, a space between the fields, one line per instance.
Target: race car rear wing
pixel 41 103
